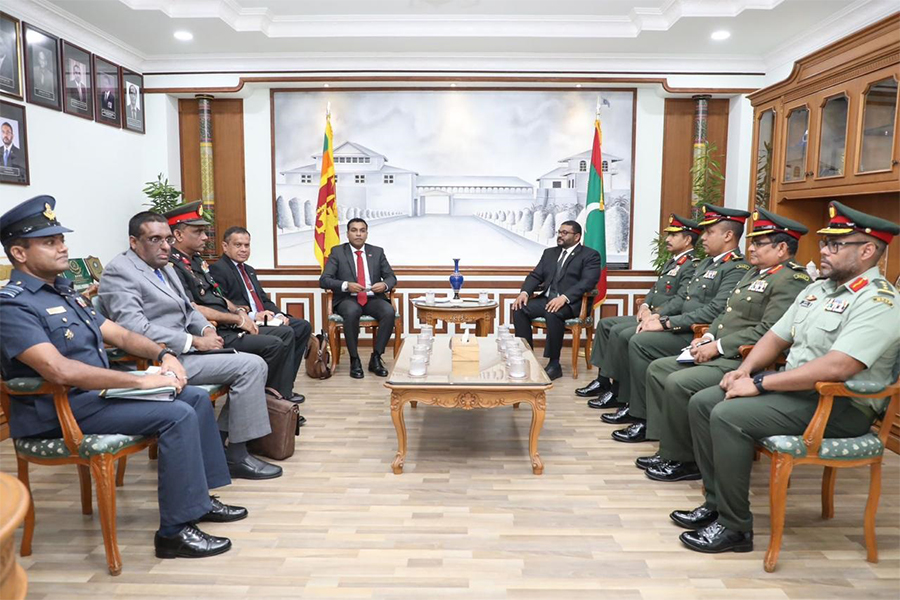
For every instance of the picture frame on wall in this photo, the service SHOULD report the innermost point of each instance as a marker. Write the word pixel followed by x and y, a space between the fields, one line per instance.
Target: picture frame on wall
pixel 42 77
pixel 13 144
pixel 132 101
pixel 77 78
pixel 10 56
pixel 107 92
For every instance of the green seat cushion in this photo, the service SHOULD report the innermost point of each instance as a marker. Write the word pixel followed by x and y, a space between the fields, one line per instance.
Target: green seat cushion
pixel 864 446
pixel 336 318
pixel 573 321
pixel 25 384
pixel 864 387
pixel 92 445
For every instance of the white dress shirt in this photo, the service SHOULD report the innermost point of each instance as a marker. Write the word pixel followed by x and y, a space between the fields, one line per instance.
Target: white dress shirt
pixel 365 262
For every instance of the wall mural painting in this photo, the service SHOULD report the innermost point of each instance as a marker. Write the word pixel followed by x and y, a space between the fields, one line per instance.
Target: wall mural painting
pixel 485 176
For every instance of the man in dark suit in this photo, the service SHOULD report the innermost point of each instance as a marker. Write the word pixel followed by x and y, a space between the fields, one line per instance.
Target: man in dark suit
pixel 10 155
pixel 361 278
pixel 564 274
pixel 239 283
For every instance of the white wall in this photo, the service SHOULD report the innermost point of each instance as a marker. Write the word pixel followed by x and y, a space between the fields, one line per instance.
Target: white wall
pixel 648 154
pixel 95 172
pixel 740 138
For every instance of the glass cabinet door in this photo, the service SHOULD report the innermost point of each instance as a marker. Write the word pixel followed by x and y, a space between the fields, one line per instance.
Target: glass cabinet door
pixel 833 137
pixel 879 117
pixel 795 149
pixel 764 153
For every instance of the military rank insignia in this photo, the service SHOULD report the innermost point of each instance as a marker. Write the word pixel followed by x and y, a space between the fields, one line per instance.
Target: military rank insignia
pixel 836 305
pixel 81 301
pixel 858 284
pixel 759 285
pixel 711 274
pixel 69 335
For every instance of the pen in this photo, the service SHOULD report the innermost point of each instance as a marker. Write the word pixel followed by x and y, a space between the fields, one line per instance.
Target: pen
pixel 265 320
pixel 698 345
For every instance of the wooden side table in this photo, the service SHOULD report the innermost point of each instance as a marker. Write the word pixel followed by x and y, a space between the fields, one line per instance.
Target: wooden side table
pixel 14 502
pixel 480 314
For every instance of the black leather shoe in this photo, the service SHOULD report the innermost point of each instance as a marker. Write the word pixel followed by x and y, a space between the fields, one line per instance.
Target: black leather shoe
pixel 594 388
pixel 253 468
pixel 190 542
pixel 619 417
pixel 673 470
pixel 297 398
pixel 301 420
pixel 715 538
pixel 645 462
pixel 223 513
pixel 376 365
pixel 356 371
pixel 698 518
pixel 634 433
pixel 553 371
pixel 605 400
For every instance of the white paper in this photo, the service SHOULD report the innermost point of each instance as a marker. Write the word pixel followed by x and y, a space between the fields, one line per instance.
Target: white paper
pixel 685 357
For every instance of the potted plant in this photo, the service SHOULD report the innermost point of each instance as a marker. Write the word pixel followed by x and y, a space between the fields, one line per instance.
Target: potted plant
pixel 163 197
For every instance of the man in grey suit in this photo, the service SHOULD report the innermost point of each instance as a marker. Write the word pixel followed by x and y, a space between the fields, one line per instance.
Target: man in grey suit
pixel 361 278
pixel 140 291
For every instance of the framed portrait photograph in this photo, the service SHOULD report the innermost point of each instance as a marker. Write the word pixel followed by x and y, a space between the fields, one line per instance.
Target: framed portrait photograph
pixel 14 150
pixel 10 56
pixel 132 101
pixel 107 92
pixel 42 85
pixel 79 92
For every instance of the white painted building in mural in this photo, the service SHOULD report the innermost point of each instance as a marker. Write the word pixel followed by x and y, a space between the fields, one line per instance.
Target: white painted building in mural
pixel 568 184
pixel 469 194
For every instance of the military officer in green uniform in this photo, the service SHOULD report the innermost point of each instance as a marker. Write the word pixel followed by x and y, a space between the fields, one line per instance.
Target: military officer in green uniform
pixel 758 301
pixel 613 333
pixel 668 331
pixel 843 328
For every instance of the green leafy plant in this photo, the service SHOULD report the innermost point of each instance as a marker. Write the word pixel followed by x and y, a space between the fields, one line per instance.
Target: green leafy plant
pixel 764 176
pixel 163 197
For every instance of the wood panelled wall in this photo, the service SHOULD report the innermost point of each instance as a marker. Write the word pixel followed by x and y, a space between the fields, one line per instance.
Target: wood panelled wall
pixel 678 151
pixel 228 159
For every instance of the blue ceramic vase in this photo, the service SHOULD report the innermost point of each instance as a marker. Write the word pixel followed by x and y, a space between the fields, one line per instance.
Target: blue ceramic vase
pixel 456 279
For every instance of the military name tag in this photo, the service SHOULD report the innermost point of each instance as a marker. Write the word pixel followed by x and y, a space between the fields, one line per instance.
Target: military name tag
pixel 674 271
pixel 710 274
pixel 836 305
pixel 56 310
pixel 759 285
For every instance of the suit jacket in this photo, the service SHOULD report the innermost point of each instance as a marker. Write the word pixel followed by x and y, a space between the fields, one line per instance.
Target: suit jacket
pixel 341 267
pixel 133 296
pixel 14 161
pixel 580 274
pixel 230 281
pixel 108 101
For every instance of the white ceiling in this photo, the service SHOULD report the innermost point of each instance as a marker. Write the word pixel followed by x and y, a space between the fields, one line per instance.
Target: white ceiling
pixel 646 32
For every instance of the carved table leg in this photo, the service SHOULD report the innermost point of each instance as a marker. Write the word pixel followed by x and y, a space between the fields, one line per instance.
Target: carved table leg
pixel 481 327
pixel 538 409
pixel 397 402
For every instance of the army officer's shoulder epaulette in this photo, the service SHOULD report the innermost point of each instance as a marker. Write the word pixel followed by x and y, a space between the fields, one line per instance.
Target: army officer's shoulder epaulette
pixel 11 290
pixel 883 287
pixel 742 265
pixel 803 277
pixel 796 266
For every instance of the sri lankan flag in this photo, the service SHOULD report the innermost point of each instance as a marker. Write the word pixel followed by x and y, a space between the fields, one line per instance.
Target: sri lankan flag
pixel 595 224
pixel 327 235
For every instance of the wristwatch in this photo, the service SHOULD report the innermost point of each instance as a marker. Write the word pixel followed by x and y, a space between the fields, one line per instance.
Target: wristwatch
pixel 163 352
pixel 758 382
pixel 664 321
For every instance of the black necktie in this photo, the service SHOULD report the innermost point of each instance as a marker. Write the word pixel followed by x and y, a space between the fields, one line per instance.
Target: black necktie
pixel 554 287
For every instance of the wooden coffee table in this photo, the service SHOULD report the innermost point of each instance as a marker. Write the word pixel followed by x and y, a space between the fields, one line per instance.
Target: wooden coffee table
pixel 482 314
pixel 468 385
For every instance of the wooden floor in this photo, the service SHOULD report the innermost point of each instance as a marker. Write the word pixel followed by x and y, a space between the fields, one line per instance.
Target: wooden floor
pixel 467 519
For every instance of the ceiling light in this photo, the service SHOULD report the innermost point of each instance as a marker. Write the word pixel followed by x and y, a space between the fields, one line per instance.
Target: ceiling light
pixel 184 36
pixel 577 85
pixel 452 85
pixel 720 35
pixel 326 85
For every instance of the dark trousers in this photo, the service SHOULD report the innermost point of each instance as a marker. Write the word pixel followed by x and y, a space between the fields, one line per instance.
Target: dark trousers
pixel 191 457
pixel 275 346
pixel 351 311
pixel 302 330
pixel 556 324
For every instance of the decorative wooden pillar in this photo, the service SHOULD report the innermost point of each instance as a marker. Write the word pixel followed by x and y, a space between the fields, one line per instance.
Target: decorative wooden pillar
pixel 701 114
pixel 207 180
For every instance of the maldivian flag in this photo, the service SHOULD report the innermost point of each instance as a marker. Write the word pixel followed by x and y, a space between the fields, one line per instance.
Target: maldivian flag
pixel 595 224
pixel 327 235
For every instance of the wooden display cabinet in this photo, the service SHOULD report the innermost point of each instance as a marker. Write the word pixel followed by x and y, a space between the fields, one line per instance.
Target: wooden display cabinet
pixel 829 132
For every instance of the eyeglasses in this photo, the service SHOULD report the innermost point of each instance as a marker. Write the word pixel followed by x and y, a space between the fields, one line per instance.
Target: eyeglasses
pixel 157 240
pixel 565 233
pixel 760 243
pixel 834 246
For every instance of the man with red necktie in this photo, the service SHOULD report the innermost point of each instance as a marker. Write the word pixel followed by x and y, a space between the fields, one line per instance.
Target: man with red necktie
pixel 361 278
